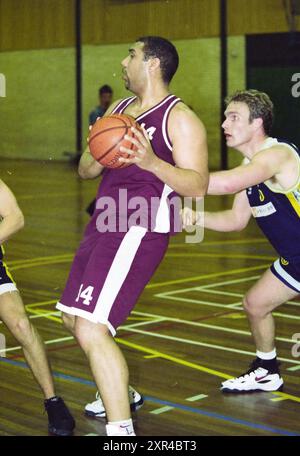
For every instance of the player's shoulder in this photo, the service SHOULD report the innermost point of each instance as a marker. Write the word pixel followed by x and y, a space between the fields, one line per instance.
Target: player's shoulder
pixel 182 115
pixel 276 152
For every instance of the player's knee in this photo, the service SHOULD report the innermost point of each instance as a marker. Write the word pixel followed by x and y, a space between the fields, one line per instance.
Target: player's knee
pixel 23 330
pixel 89 334
pixel 68 321
pixel 252 307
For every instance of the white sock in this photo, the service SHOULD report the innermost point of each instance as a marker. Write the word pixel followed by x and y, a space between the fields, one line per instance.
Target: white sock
pixel 266 355
pixel 124 428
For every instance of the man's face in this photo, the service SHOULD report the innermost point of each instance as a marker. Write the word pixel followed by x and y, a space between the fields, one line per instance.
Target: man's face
pixel 105 99
pixel 134 68
pixel 237 128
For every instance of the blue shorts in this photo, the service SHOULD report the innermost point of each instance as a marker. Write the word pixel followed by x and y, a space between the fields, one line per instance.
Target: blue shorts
pixel 6 281
pixel 287 272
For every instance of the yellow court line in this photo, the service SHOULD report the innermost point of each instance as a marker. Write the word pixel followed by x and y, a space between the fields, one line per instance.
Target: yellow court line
pixel 44 258
pixel 207 276
pixel 41 303
pixel 198 367
pixel 39 263
pixel 50 317
pixel 222 255
pixel 47 195
pixel 158 354
pixel 229 241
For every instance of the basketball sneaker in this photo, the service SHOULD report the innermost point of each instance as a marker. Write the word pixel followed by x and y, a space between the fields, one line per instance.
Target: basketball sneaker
pixel 262 376
pixel 60 420
pixel 96 409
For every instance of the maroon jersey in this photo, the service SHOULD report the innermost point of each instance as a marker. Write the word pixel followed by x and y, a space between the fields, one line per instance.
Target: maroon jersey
pixel 133 196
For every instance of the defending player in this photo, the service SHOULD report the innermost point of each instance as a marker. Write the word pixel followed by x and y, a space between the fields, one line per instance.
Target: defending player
pixel 111 269
pixel 267 186
pixel 13 315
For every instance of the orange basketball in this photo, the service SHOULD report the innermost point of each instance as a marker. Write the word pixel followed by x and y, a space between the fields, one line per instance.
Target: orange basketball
pixel 107 136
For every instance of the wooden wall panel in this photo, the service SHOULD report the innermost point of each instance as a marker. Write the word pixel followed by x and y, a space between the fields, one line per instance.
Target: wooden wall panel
pixel 174 19
pixel 256 16
pixel 38 24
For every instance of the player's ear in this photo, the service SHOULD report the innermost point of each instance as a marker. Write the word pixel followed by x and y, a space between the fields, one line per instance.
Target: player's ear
pixel 154 64
pixel 258 123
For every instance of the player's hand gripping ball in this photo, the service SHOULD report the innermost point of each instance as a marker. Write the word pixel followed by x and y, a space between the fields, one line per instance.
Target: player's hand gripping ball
pixel 106 137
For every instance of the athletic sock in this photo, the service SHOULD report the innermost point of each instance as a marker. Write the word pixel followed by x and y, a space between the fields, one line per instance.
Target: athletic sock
pixel 268 360
pixel 266 355
pixel 125 428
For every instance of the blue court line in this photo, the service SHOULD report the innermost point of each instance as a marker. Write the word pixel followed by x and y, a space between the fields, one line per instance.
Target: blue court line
pixel 185 408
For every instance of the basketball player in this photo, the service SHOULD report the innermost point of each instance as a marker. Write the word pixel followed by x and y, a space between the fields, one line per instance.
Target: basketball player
pixel 112 268
pixel 267 186
pixel 13 315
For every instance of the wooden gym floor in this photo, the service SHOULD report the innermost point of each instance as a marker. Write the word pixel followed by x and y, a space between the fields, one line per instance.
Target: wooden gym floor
pixel 187 333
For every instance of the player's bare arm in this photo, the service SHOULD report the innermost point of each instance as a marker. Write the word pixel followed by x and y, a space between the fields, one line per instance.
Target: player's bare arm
pixel 10 213
pixel 234 219
pixel 88 167
pixel 267 164
pixel 188 137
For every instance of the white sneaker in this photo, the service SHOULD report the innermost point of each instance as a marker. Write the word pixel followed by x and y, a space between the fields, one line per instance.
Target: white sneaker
pixel 96 409
pixel 257 378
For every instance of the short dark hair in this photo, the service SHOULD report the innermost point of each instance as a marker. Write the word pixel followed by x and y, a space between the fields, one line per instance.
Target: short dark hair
pixel 259 104
pixel 165 51
pixel 105 89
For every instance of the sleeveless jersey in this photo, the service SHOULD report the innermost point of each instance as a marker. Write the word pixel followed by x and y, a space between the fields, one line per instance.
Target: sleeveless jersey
pixel 277 213
pixel 133 189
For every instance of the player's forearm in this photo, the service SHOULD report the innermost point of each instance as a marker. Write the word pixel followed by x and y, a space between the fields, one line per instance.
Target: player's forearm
pixel 221 183
pixel 221 221
pixel 11 224
pixel 88 167
pixel 185 182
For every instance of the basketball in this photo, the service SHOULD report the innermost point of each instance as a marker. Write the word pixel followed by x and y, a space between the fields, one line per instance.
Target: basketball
pixel 106 137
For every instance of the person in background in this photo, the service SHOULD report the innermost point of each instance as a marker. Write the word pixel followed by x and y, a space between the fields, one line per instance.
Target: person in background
pixel 105 100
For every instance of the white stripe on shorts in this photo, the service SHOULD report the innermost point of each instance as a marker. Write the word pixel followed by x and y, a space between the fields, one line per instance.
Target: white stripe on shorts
pixel 7 287
pixel 116 275
pixel 287 277
pixel 118 271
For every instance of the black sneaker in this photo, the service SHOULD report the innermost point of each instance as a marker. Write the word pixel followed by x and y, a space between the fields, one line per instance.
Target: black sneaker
pixel 262 376
pixel 60 420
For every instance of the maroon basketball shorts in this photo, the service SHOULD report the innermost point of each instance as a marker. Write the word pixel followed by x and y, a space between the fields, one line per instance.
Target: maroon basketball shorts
pixel 109 272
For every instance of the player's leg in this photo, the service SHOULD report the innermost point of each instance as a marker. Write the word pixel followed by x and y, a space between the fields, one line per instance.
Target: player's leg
pixel 109 369
pixel 96 409
pixel 265 296
pixel 13 315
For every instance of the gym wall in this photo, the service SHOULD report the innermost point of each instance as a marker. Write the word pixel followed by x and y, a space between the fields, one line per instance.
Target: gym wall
pixel 37 59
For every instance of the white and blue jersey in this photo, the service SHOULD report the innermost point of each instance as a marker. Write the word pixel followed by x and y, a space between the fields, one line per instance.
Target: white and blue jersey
pixel 277 213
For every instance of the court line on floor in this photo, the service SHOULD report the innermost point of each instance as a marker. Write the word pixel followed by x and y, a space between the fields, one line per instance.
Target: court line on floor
pixel 200 344
pixel 181 407
pixel 201 302
pixel 208 326
pixel 206 276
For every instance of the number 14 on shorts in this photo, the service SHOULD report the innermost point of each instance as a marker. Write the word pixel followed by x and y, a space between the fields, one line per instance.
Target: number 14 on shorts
pixel 86 294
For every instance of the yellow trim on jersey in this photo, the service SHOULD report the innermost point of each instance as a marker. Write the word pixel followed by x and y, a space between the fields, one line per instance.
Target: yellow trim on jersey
pixel 294 201
pixel 285 192
pixel 7 272
pixel 2 249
